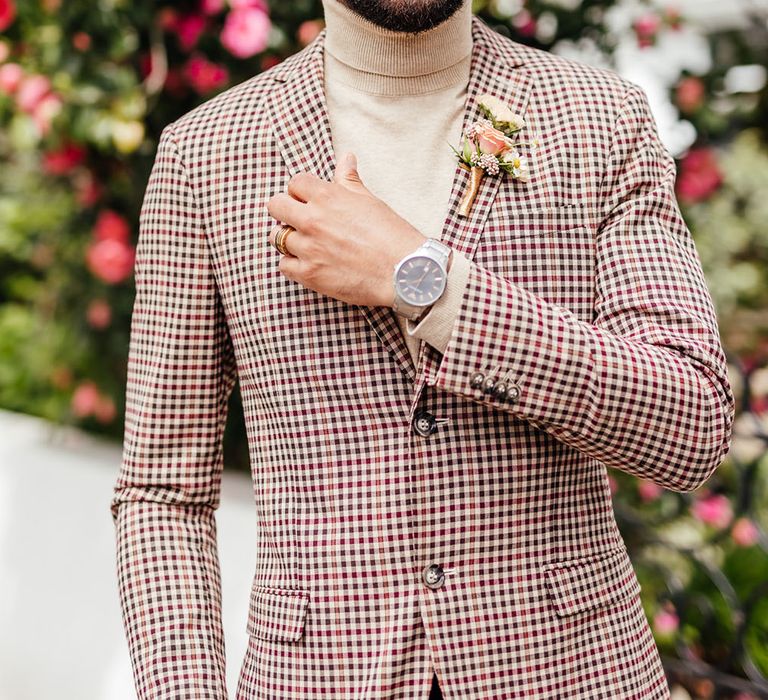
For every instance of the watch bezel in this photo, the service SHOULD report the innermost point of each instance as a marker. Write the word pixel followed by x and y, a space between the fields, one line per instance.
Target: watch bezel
pixel 403 293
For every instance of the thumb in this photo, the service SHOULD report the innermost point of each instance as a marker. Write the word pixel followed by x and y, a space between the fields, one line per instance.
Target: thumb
pixel 346 173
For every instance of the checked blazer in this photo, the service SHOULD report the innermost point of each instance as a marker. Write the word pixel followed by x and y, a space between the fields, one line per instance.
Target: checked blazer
pixel 585 292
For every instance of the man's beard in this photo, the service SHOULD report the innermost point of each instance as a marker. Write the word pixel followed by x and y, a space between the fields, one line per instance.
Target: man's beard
pixel 404 15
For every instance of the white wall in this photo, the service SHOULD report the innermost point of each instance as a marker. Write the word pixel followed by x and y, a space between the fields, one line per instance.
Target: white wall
pixel 61 633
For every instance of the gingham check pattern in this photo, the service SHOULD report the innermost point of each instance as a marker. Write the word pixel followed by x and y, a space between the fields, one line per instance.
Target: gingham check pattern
pixel 585 289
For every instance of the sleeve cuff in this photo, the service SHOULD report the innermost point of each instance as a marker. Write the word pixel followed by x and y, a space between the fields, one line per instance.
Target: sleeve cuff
pixel 436 325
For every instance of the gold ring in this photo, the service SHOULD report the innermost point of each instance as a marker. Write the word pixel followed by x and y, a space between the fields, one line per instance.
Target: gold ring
pixel 281 236
pixel 286 230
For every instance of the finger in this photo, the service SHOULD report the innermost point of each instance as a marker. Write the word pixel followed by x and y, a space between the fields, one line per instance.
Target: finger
pixel 346 173
pixel 305 186
pixel 295 242
pixel 291 267
pixel 285 208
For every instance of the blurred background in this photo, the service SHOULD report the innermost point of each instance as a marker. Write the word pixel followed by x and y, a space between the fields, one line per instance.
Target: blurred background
pixel 86 86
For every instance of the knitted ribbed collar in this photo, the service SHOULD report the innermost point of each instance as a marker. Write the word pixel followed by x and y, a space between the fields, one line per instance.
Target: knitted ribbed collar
pixel 380 61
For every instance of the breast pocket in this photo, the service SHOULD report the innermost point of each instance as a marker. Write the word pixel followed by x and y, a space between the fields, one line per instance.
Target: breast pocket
pixel 550 252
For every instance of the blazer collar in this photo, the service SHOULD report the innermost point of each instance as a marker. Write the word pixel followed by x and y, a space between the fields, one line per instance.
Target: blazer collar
pixel 299 116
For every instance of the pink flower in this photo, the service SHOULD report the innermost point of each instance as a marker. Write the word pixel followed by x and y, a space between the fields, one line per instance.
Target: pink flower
pixel 110 226
pixel 189 29
pixel 45 112
pixel 11 75
pixel 646 28
pixel 525 23
pixel 699 175
pixel 714 510
pixel 648 491
pixel 99 313
pixel 85 399
pixel 745 532
pixel 689 94
pixel 246 31
pixel 308 31
pixel 63 160
pixel 105 411
pixel 204 75
pixel 167 19
pixel 7 14
pixel 31 92
pixel 243 4
pixel 666 622
pixel 613 484
pixel 211 7
pixel 87 188
pixel 81 41
pixel 110 260
pixel 492 141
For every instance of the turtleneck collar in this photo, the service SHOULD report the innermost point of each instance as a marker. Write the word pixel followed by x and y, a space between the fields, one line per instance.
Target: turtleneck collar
pixel 381 61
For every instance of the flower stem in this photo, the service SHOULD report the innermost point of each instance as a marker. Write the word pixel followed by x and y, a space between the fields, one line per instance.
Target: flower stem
pixel 476 175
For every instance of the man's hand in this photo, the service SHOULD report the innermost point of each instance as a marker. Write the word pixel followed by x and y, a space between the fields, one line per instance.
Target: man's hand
pixel 346 241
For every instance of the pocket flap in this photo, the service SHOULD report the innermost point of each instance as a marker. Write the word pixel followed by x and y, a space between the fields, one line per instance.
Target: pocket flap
pixel 589 582
pixel 277 614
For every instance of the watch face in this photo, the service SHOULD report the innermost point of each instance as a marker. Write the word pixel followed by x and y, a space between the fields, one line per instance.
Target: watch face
pixel 420 281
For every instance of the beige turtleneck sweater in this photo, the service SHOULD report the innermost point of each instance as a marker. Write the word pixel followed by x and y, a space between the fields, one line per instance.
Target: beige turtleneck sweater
pixel 396 100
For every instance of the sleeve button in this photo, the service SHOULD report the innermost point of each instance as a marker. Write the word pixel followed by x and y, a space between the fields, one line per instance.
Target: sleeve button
pixel 489 384
pixel 476 381
pixel 513 393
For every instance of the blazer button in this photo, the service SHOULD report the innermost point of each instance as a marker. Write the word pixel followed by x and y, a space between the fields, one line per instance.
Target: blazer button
pixel 433 576
pixel 513 393
pixel 424 423
pixel 476 380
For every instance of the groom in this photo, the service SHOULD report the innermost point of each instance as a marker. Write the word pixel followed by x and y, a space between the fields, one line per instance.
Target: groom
pixel 429 434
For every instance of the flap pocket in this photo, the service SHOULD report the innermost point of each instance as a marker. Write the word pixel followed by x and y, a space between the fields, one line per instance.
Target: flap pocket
pixel 589 582
pixel 277 614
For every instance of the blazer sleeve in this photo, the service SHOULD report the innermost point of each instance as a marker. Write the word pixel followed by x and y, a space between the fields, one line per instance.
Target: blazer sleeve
pixel 180 374
pixel 643 387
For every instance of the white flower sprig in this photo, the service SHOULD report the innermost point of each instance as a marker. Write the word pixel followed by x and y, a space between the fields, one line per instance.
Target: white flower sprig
pixel 489 148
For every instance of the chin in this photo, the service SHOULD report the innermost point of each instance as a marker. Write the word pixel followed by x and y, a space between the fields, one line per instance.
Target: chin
pixel 409 16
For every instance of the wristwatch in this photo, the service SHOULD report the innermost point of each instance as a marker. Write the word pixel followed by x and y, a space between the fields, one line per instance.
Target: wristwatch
pixel 420 278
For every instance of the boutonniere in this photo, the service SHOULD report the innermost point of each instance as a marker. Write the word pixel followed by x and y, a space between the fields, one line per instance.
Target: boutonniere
pixel 489 148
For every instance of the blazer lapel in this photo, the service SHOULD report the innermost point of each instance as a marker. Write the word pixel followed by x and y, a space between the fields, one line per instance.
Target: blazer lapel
pixel 512 86
pixel 302 132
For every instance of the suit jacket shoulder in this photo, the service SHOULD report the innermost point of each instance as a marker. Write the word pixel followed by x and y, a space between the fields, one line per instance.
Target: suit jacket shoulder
pixel 240 104
pixel 560 77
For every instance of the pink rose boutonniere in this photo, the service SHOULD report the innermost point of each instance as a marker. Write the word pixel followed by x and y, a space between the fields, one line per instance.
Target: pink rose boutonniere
pixel 489 149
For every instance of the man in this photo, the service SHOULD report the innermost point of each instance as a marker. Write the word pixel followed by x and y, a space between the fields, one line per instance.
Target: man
pixel 431 486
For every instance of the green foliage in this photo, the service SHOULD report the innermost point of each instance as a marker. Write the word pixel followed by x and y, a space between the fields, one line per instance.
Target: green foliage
pixel 732 240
